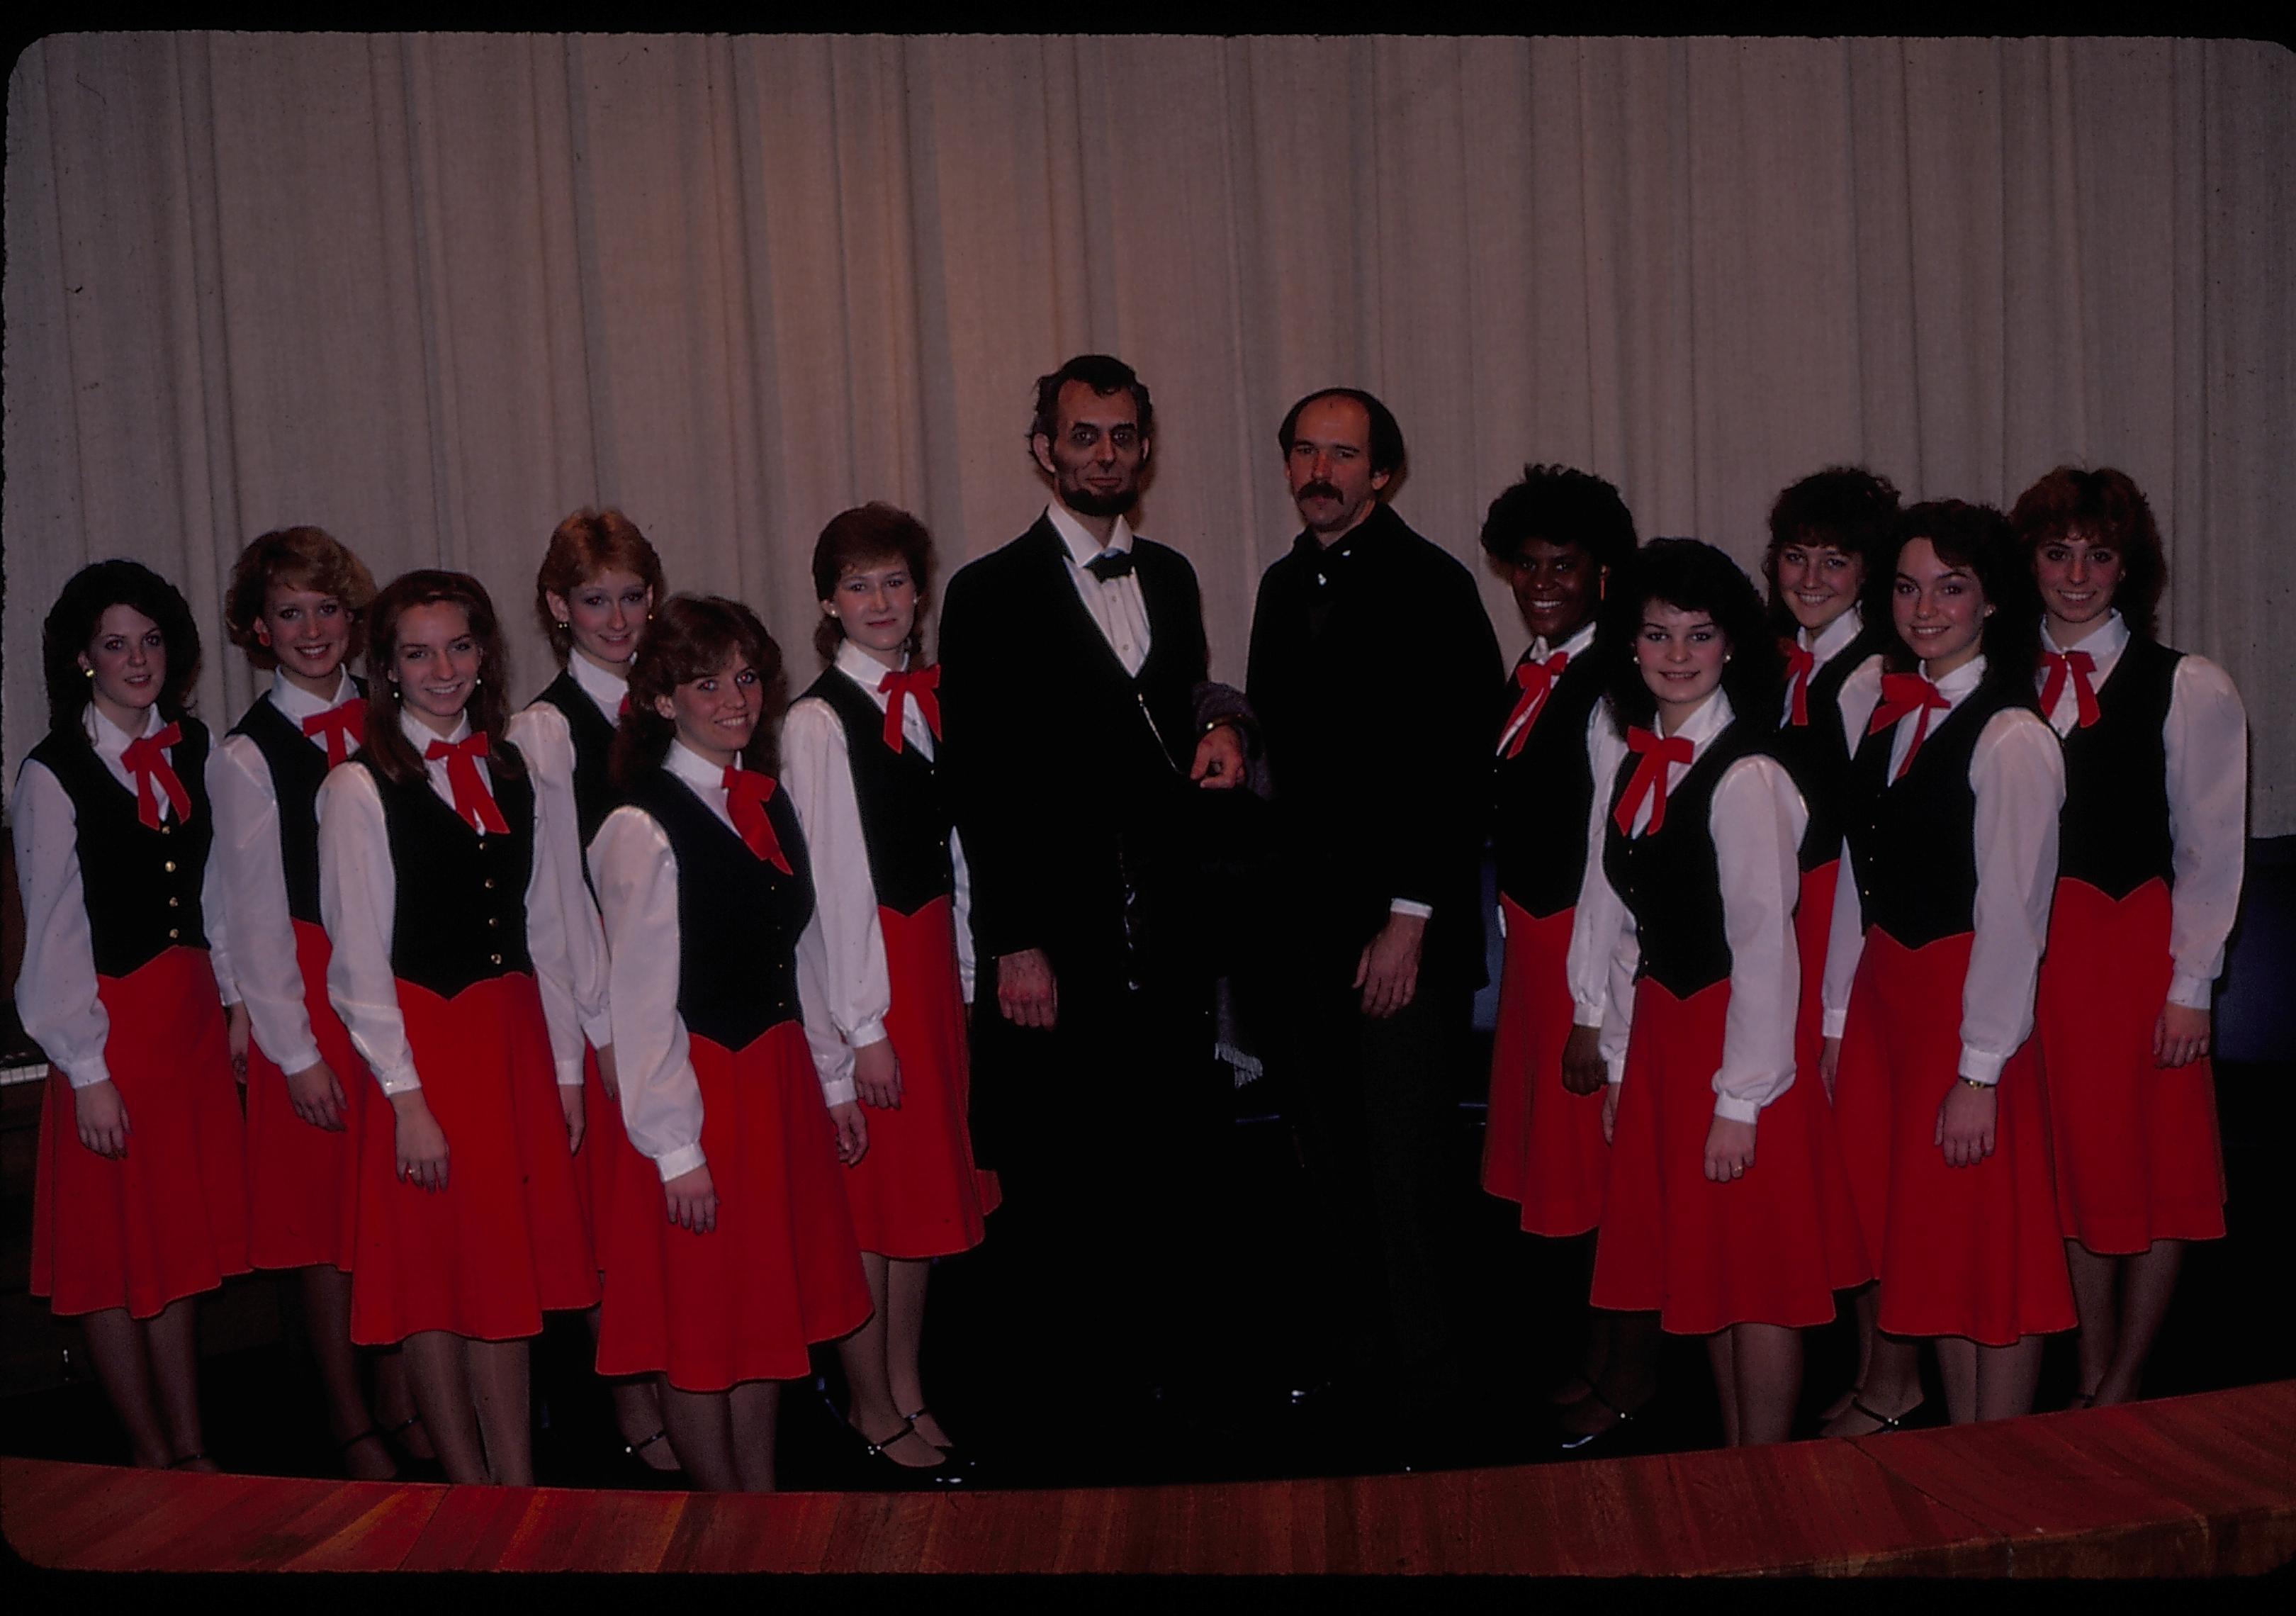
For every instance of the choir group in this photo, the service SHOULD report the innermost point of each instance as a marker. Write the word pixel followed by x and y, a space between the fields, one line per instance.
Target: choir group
pixel 1858 941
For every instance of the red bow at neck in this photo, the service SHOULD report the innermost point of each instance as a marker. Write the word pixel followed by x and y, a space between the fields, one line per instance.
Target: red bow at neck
pixel 1800 663
pixel 919 685
pixel 1903 694
pixel 2077 665
pixel 473 801
pixel 1537 679
pixel 1656 753
pixel 344 726
pixel 746 792
pixel 146 759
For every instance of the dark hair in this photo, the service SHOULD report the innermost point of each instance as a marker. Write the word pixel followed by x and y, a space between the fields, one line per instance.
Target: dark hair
pixel 295 558
pixel 386 746
pixel 1563 506
pixel 1693 575
pixel 1386 444
pixel 1846 507
pixel 582 546
pixel 1978 537
pixel 2104 506
pixel 692 636
pixel 1105 374
pixel 71 625
pixel 873 533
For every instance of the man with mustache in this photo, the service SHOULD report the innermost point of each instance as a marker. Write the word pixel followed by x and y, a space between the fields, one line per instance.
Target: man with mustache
pixel 1371 669
pixel 1082 742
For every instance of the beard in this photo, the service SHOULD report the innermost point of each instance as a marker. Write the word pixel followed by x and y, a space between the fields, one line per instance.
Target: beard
pixel 1084 502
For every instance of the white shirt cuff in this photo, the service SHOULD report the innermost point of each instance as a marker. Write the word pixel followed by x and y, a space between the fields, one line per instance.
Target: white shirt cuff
pixel 1587 1012
pixel 570 1072
pixel 301 1058
pixel 88 1073
pixel 599 1032
pixel 871 1032
pixel 398 1080
pixel 2191 992
pixel 1979 1067
pixel 1410 905
pixel 1731 1108
pixel 1831 1023
pixel 838 1091
pixel 680 1162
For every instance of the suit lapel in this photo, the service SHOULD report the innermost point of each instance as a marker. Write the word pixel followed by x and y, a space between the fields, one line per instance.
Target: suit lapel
pixel 1066 613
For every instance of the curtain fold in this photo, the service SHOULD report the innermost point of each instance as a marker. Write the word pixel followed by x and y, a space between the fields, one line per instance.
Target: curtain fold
pixel 433 291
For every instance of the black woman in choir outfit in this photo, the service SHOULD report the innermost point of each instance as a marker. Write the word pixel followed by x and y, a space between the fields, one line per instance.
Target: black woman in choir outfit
pixel 731 1251
pixel 1824 531
pixel 858 754
pixel 1728 1210
pixel 450 969
pixel 297 605
pixel 1950 821
pixel 1564 540
pixel 2148 879
pixel 594 595
pixel 140 1197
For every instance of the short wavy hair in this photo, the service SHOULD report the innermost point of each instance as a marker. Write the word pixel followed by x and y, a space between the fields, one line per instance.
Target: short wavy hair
pixel 2104 506
pixel 1107 375
pixel 1386 444
pixel 582 546
pixel 295 558
pixel 1978 537
pixel 692 636
pixel 853 540
pixel 1691 574
pixel 1846 507
pixel 70 629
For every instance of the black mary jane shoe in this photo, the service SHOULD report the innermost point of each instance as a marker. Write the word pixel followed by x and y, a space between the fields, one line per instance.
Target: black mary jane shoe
pixel 959 1458
pixel 1610 1434
pixel 632 1462
pixel 879 1470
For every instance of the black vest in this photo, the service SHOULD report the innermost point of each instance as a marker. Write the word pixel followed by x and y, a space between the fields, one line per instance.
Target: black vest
pixel 459 915
pixel 738 917
pixel 904 820
pixel 1913 841
pixel 1816 754
pixel 297 768
pixel 1544 792
pixel 1670 878
pixel 2115 832
pixel 594 750
pixel 141 886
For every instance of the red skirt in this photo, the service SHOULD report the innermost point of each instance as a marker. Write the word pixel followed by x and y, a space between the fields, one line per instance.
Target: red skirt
pixel 168 1220
pixel 1813 925
pixel 1971 1251
pixel 503 1242
pixel 779 1272
pixel 600 1164
pixel 303 1182
pixel 2137 1154
pixel 1770 1247
pixel 916 1193
pixel 1542 1144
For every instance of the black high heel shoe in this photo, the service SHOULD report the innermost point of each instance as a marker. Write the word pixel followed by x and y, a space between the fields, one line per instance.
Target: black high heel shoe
pixel 1611 1433
pixel 879 1471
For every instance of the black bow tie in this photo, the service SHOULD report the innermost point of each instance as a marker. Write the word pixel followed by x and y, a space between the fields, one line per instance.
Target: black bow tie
pixel 1109 567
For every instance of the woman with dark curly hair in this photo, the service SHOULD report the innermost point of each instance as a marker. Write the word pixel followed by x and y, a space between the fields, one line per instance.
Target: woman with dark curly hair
pixel 1951 822
pixel 1728 1210
pixel 450 970
pixel 731 1251
pixel 2148 880
pixel 139 1201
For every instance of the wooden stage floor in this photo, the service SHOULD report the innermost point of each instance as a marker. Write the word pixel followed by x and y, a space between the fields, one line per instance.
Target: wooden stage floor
pixel 2187 1486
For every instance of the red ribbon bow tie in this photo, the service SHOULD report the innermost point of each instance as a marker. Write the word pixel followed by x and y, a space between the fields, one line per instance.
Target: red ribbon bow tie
pixel 146 759
pixel 473 801
pixel 1800 663
pixel 746 792
pixel 343 724
pixel 1537 679
pixel 2078 665
pixel 1656 753
pixel 894 687
pixel 1903 694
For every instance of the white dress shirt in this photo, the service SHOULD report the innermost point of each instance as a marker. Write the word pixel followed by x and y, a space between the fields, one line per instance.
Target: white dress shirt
pixel 636 876
pixel 2207 736
pixel 817 772
pixel 1832 641
pixel 1756 818
pixel 1116 605
pixel 254 870
pixel 55 987
pixel 2017 771
pixel 358 901
pixel 541 734
pixel 1576 646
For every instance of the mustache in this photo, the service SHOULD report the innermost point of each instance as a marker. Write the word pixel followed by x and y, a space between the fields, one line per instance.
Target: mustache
pixel 1317 490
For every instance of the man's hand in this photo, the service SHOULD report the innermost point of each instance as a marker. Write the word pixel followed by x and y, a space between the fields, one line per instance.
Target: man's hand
pixel 1219 762
pixel 877 1075
pixel 1583 1070
pixel 692 1199
pixel 1964 1125
pixel 236 1033
pixel 1025 989
pixel 852 1131
pixel 318 1096
pixel 1388 970
pixel 101 1119
pixel 2180 1037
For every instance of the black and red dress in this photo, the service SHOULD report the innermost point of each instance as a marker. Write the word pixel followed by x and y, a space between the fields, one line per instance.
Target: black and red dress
pixel 112 838
pixel 703 923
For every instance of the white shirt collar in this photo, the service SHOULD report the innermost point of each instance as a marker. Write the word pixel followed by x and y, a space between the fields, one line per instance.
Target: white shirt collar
pixel 297 704
pixel 2105 642
pixel 1082 546
pixel 1956 686
pixel 606 689
pixel 1574 647
pixel 1834 637
pixel 696 770
pixel 107 738
pixel 1709 721
pixel 419 735
pixel 864 669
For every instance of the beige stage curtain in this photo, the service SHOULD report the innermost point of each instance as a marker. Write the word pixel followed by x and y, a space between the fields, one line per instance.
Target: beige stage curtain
pixel 432 293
